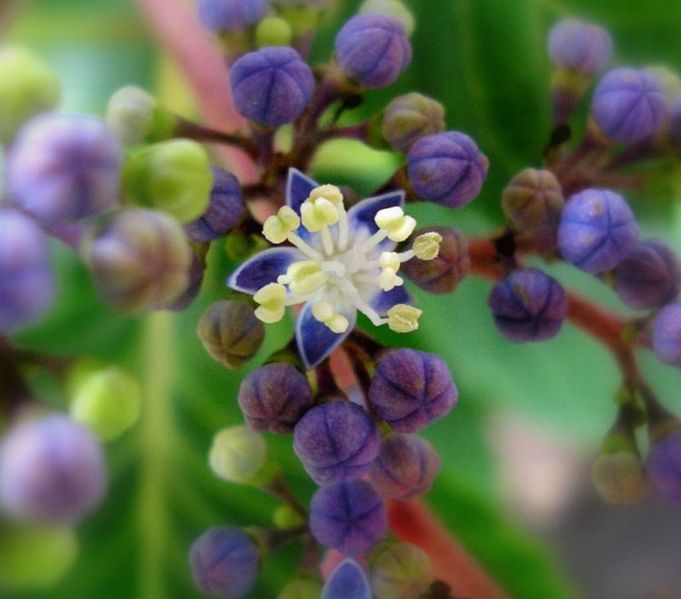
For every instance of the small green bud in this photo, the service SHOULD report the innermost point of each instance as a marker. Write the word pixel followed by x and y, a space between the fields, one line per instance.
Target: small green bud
pixel 273 31
pixel 301 588
pixel 390 8
pixel 35 558
pixel 410 117
pixel 668 79
pixel 239 455
pixel 173 176
pixel 619 477
pixel 286 517
pixel 108 402
pixel 28 86
pixel 400 571
pixel 136 117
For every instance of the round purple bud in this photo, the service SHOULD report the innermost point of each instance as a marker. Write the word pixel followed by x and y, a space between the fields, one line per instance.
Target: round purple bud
pixel 348 516
pixel 629 105
pixel 230 15
pixel 51 470
pixel 224 210
pixel 447 168
pixel 64 168
pixel 271 86
pixel 528 305
pixel 667 334
pixel 649 277
pixel 373 49
pixel 26 279
pixel 405 467
pixel 347 581
pixel 597 230
pixel 664 466
pixel 444 273
pixel 224 562
pixel 533 201
pixel 336 441
pixel 412 388
pixel 578 46
pixel 274 397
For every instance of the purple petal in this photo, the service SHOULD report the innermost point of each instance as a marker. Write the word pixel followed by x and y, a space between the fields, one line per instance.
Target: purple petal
pixel 262 269
pixel 348 581
pixel 315 340
pixel 385 300
pixel 363 213
pixel 298 188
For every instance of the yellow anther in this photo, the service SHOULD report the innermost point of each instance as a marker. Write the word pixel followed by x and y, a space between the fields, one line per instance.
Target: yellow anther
pixel 390 260
pixel 324 312
pixel 329 192
pixel 403 318
pixel 427 246
pixel 272 300
pixel 395 222
pixel 305 277
pixel 388 279
pixel 280 225
pixel 318 213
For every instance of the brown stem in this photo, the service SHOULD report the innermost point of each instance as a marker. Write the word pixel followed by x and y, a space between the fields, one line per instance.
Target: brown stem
pixel 280 489
pixel 199 132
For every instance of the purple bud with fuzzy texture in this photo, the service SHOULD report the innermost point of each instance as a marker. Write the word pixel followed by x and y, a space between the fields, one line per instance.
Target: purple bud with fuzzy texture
pixel 51 470
pixel 597 230
pixel 274 397
pixel 405 467
pixel 348 516
pixel 347 581
pixel 373 49
pixel 649 277
pixel 447 168
pixel 667 334
pixel 336 441
pixel 224 210
pixel 26 280
pixel 664 466
pixel 578 46
pixel 224 562
pixel 271 86
pixel 63 168
pixel 528 305
pixel 629 105
pixel 411 388
pixel 444 273
pixel 230 15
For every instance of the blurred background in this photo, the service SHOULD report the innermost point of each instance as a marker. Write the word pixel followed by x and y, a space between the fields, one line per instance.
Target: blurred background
pixel 517 452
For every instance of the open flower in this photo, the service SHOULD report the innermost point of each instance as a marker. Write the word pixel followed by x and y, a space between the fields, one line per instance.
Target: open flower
pixel 340 262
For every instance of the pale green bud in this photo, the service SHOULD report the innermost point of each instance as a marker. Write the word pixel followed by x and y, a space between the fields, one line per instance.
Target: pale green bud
pixel 273 31
pixel 390 8
pixel 301 589
pixel 286 517
pixel 136 117
pixel 239 455
pixel 400 571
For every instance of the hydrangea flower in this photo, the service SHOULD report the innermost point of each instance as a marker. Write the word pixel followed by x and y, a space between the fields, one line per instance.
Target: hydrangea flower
pixel 339 262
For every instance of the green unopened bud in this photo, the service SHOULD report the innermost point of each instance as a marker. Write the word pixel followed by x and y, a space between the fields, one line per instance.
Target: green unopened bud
pixel 230 332
pixel 35 558
pixel 286 517
pixel 400 571
pixel 108 402
pixel 136 117
pixel 273 31
pixel 173 176
pixel 669 81
pixel 239 455
pixel 391 8
pixel 410 117
pixel 28 86
pixel 302 588
pixel 619 477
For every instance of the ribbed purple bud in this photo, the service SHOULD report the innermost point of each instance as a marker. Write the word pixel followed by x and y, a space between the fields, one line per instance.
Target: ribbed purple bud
pixel 664 466
pixel 348 516
pixel 410 117
pixel 373 49
pixel 224 210
pixel 629 105
pixel 27 284
pixel 444 273
pixel 578 46
pixel 347 581
pixel 649 277
pixel 533 201
pixel 230 15
pixel 597 230
pixel 667 334
pixel 447 168
pixel 405 467
pixel 274 397
pixel 62 168
pixel 51 470
pixel 224 562
pixel 271 86
pixel 528 305
pixel 412 388
pixel 336 441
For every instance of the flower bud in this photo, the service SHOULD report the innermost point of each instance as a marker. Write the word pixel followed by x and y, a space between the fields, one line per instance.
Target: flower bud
pixel 62 168
pixel 173 176
pixel 140 260
pixel 239 455
pixel 533 201
pixel 27 286
pixel 28 86
pixel 224 562
pixel 271 86
pixel 274 397
pixel 373 49
pixel 390 8
pixel 400 571
pixel 336 441
pixel 273 31
pixel 619 478
pixel 409 118
pixel 108 402
pixel 287 517
pixel 51 470
pixel 444 273
pixel 411 388
pixel 664 466
pixel 667 334
pixel 347 581
pixel 348 516
pixel 301 589
pixel 230 332
pixel 230 15
pixel 447 168
pixel 580 47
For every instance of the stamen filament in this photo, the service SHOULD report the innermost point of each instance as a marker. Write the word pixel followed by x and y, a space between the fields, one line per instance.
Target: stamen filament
pixel 304 247
pixel 327 241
